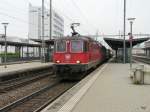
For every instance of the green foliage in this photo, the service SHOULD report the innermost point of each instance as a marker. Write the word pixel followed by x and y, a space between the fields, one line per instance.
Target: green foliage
pixel 10 55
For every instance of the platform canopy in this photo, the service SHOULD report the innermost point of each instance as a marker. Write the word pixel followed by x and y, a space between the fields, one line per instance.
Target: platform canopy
pixel 118 43
pixel 10 43
pixel 48 42
pixel 16 41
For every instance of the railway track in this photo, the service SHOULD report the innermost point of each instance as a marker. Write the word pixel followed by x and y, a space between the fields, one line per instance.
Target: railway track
pixel 142 59
pixel 15 83
pixel 39 99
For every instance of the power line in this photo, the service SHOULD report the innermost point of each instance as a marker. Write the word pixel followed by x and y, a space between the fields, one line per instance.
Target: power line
pixel 17 12
pixel 18 9
pixel 70 19
pixel 27 1
pixel 63 14
pixel 16 18
pixel 78 8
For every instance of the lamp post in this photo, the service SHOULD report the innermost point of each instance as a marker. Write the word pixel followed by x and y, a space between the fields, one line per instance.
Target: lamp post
pixel 43 40
pixel 130 38
pixel 50 19
pixel 124 33
pixel 50 28
pixel 5 58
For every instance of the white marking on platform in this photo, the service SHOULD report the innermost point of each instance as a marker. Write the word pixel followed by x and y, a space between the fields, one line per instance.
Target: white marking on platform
pixel 74 100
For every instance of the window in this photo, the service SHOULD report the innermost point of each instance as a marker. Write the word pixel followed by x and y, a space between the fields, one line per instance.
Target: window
pixel 61 46
pixel 86 46
pixel 76 46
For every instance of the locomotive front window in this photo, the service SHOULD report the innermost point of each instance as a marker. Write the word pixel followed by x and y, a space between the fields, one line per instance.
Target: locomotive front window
pixel 61 46
pixel 76 46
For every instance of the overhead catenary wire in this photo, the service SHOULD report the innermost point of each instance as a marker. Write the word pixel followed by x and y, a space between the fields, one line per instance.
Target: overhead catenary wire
pixel 82 14
pixel 66 15
pixel 73 21
pixel 20 11
pixel 16 18
pixel 14 7
pixel 62 13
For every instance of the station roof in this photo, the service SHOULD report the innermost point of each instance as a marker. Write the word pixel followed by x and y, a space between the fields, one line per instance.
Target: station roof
pixel 2 42
pixel 16 41
pixel 48 42
pixel 118 43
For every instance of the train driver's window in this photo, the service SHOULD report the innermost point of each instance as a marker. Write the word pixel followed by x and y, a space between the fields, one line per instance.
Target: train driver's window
pixel 86 46
pixel 76 46
pixel 61 46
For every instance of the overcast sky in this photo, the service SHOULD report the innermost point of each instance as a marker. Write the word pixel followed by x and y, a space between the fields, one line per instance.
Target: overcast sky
pixel 103 16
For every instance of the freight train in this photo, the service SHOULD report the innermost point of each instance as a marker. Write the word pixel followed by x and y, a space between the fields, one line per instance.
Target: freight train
pixel 77 54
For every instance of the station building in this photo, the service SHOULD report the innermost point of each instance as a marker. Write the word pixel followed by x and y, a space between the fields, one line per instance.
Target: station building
pixel 35 23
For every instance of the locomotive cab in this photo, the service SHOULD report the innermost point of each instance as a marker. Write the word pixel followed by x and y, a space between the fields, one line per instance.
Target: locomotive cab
pixel 76 54
pixel 70 51
pixel 71 56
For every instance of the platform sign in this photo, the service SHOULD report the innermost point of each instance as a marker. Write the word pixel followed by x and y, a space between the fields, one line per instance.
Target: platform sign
pixel 131 38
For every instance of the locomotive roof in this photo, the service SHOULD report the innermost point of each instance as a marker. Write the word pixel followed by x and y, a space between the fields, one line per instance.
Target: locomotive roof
pixel 86 38
pixel 76 38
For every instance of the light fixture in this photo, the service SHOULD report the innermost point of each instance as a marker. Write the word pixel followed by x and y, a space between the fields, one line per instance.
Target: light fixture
pixel 78 62
pixel 57 61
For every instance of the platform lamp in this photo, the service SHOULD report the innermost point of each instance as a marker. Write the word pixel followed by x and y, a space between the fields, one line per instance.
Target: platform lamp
pixel 130 39
pixel 5 58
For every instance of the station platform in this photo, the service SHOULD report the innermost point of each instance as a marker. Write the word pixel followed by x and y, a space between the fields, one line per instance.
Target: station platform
pixel 109 90
pixel 21 67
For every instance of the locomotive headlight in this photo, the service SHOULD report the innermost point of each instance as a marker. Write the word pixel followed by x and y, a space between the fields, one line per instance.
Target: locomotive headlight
pixel 57 61
pixel 78 61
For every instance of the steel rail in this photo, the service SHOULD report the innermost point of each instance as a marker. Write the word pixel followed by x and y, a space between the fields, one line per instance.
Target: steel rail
pixel 142 59
pixel 22 100
pixel 49 101
pixel 7 87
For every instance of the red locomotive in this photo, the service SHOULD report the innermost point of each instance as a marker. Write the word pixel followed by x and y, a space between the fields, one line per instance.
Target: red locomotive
pixel 77 54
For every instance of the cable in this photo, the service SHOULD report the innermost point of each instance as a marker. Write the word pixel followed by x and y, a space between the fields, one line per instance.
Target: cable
pixel 63 14
pixel 21 20
pixel 81 28
pixel 17 12
pixel 4 14
pixel 78 8
pixel 27 1
pixel 18 9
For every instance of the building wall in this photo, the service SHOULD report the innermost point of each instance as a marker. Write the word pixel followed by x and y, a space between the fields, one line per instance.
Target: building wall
pixel 35 23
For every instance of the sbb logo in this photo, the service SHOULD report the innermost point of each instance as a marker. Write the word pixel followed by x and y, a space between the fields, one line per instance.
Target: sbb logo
pixel 67 56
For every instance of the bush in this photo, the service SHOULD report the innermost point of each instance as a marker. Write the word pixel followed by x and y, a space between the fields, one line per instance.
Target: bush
pixel 10 55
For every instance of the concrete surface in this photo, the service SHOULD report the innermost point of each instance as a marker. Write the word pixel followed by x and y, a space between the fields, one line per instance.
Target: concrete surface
pixel 22 67
pixel 114 92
